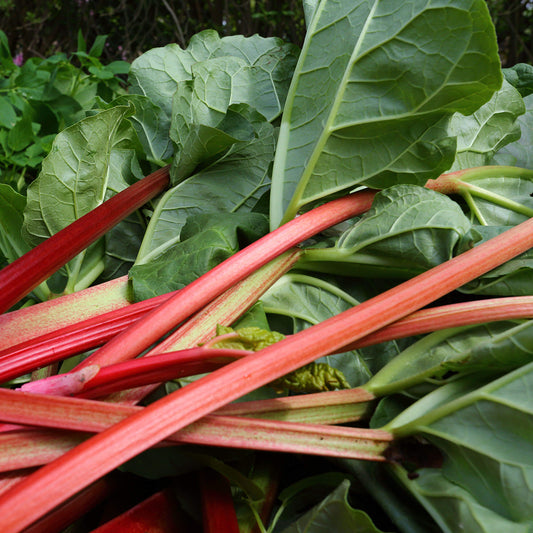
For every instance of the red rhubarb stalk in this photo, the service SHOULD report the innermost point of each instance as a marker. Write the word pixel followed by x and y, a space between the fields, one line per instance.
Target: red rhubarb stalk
pixel 94 381
pixel 24 274
pixel 450 316
pixel 70 340
pixel 218 508
pixel 157 514
pixel 54 483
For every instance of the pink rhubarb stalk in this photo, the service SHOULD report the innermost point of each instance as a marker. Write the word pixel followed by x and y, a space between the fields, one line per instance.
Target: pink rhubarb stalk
pixel 75 338
pixel 450 316
pixel 54 483
pixel 24 274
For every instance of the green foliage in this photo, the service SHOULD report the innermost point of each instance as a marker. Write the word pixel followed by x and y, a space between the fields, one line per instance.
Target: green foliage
pixel 41 97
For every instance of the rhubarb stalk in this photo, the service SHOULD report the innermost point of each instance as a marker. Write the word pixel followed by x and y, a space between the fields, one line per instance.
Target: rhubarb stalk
pixel 25 273
pixel 54 483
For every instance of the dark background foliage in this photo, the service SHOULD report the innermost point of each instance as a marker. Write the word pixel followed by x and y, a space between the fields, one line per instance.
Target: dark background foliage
pixel 43 27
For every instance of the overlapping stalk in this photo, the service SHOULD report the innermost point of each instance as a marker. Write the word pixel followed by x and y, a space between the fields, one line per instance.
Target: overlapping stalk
pixel 102 453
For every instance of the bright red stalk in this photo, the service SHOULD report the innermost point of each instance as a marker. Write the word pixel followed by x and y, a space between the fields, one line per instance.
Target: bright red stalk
pixel 157 514
pixel 23 275
pixel 218 508
pixel 55 482
pixel 134 373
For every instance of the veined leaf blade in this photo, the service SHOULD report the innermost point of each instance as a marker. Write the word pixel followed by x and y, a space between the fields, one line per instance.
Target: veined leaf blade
pixel 384 75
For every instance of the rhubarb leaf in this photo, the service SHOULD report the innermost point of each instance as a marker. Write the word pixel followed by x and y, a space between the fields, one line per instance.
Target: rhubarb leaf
pixel 157 73
pixel 122 242
pixel 12 204
pixel 491 348
pixel 151 125
pixel 206 240
pixel 74 179
pixel 503 200
pixel 265 66
pixel 513 278
pixel 245 168
pixel 74 176
pixel 409 229
pixel 486 436
pixel 334 513
pixel 518 153
pixel 492 126
pixel 520 76
pixel 386 78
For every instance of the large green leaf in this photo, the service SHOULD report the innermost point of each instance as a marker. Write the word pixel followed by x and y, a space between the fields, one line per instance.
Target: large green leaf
pixel 233 184
pixel 74 180
pixel 486 434
pixel 373 90
pixel 74 176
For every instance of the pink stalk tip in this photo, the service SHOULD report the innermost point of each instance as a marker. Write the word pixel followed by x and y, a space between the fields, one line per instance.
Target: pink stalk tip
pixel 62 384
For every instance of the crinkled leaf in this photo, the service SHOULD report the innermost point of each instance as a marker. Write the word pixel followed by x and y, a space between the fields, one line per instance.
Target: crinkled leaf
pixel 492 126
pixel 334 513
pixel 520 76
pixel 151 124
pixel 519 152
pixel 409 229
pixel 206 240
pixel 74 180
pixel 385 76
pixel 74 176
pixel 199 144
pixel 233 184
pixel 157 73
pixel 513 278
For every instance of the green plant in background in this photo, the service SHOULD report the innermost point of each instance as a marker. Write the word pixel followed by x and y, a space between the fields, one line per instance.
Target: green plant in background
pixel 41 97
